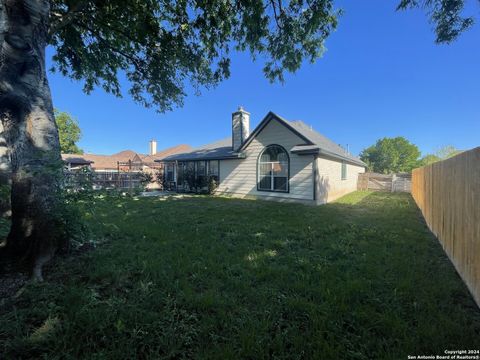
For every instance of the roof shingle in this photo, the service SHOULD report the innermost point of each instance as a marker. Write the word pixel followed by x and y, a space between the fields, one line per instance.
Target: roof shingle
pixel 107 162
pixel 222 149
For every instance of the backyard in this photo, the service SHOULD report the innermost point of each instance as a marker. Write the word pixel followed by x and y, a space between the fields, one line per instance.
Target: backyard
pixel 361 278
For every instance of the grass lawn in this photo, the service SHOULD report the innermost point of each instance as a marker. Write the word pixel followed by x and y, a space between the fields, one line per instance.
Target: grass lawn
pixel 217 278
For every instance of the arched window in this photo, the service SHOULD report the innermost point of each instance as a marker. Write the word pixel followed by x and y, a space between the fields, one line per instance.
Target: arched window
pixel 273 168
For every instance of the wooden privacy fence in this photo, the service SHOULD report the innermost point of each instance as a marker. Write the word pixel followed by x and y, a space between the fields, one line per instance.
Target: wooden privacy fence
pixel 448 194
pixel 384 182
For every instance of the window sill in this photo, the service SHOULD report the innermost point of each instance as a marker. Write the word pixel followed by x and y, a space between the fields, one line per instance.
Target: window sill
pixel 274 191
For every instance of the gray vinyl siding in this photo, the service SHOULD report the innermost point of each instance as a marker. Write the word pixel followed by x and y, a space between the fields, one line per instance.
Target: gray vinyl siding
pixel 239 176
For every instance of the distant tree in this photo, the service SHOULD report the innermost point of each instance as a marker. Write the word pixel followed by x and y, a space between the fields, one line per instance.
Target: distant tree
pixel 69 132
pixel 446 15
pixel 391 155
pixel 428 159
pixel 447 151
pixel 443 153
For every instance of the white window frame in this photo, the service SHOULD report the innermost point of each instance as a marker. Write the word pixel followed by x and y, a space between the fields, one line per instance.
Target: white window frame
pixel 272 175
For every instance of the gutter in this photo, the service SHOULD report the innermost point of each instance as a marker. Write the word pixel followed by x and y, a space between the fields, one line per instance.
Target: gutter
pixel 238 156
pixel 319 151
pixel 341 157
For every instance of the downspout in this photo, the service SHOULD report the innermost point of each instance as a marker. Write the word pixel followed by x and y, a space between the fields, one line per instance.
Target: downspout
pixel 315 170
pixel 175 168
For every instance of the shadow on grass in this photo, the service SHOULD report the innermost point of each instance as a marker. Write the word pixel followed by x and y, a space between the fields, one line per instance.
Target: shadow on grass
pixel 225 278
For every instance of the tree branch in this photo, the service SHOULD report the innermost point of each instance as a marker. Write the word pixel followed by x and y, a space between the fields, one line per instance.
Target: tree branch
pixel 67 18
pixel 136 61
pixel 116 30
pixel 275 16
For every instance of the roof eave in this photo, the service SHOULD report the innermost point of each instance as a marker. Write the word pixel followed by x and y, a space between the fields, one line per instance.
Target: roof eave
pixel 306 151
pixel 265 121
pixel 78 162
pixel 232 157
pixel 341 157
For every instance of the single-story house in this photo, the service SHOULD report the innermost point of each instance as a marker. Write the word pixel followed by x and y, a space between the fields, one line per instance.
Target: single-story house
pixel 124 160
pixel 279 160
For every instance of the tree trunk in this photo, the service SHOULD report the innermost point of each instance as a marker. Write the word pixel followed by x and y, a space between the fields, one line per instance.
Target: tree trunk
pixel 30 133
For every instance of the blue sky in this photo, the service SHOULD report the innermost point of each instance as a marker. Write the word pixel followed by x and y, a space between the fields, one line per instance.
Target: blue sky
pixel 382 75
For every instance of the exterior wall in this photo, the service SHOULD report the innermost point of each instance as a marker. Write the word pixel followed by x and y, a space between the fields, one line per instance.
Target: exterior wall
pixel 330 185
pixel 239 177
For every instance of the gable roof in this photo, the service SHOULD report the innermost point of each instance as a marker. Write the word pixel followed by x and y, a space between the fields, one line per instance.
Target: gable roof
pixel 111 161
pixel 221 149
pixel 270 116
pixel 314 143
pixel 325 145
pixel 75 159
pixel 125 154
pixel 182 148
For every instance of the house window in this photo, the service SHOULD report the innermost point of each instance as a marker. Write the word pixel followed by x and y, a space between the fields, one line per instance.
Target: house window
pixel 273 167
pixel 170 172
pixel 201 168
pixel 213 168
pixel 344 170
pixel 180 174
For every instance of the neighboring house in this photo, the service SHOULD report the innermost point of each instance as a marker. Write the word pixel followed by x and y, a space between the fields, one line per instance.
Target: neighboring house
pixel 122 169
pixel 75 162
pixel 121 160
pixel 280 160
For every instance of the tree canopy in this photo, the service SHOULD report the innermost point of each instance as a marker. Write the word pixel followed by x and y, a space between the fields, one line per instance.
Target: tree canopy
pixel 69 132
pixel 442 153
pixel 447 152
pixel 165 47
pixel 446 15
pixel 429 159
pixel 161 46
pixel 391 155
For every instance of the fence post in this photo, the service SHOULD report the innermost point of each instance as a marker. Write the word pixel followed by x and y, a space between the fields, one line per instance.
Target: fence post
pixel 394 177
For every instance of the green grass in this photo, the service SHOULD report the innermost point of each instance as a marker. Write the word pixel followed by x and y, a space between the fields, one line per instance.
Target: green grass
pixel 217 278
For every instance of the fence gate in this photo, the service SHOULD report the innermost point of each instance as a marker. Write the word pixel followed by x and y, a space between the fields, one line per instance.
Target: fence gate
pixel 401 182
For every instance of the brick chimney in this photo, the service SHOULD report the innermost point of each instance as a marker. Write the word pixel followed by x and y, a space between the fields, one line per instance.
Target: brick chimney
pixel 153 147
pixel 240 127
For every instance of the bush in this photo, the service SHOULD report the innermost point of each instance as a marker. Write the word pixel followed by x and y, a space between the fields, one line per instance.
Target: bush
pixel 212 184
pixel 145 179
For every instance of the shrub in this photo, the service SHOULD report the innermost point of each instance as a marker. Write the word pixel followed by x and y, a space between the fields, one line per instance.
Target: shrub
pixel 212 184
pixel 145 179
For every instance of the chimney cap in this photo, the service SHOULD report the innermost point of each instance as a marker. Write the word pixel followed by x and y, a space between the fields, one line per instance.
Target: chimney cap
pixel 241 109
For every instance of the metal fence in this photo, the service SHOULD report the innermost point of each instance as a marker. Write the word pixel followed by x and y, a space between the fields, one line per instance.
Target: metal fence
pixel 104 179
pixel 128 175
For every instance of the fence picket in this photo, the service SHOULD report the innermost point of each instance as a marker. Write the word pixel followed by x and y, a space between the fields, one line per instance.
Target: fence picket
pixel 448 195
